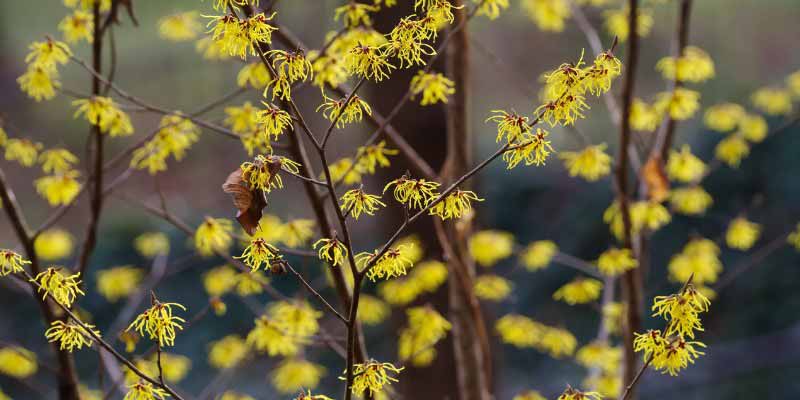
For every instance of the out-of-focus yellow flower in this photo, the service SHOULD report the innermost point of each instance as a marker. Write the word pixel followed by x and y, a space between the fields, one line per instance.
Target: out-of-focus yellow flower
pixel 491 8
pixel 537 255
pixel 22 151
pixel 414 249
pixel 251 283
pixel 644 117
pixel 434 87
pixel 549 15
pixel 268 336
pixel 793 83
pixel 231 395
pixel 426 327
pixel 599 355
pixel 399 292
pixel 723 117
pixel 773 101
pixel 794 238
pixel 106 114
pixel 294 374
pixel 591 163
pixel 85 393
pixel 297 318
pixel 17 362
pixel 59 189
pixel 612 316
pixel 220 280
pixel 519 330
pixel 699 259
pixel 753 127
pixel 118 282
pixel 616 22
pixel 77 26
pixel 742 234
pixel 648 215
pixel 732 150
pixel 557 342
pixel 694 65
pixel 227 352
pixel 575 394
pixel 690 200
pixel 213 235
pixel 53 244
pixel 490 246
pixel 371 310
pixel 683 166
pixel 179 27
pixel 152 244
pixel 57 161
pixel 615 261
pixel 681 104
pixel 529 395
pixel 39 83
pixel 492 287
pixel 429 275
pixel 579 291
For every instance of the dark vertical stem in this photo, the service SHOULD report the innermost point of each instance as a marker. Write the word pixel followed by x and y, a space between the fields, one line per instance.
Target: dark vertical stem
pixel 681 41
pixel 470 341
pixel 631 280
pixel 96 181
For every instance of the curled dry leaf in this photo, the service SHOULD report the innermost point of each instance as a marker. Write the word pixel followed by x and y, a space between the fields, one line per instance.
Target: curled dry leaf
pixel 655 178
pixel 249 203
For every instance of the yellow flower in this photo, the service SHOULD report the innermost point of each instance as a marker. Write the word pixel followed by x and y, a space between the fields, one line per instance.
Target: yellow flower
pixel 426 327
pixel 794 238
pixel 372 376
pixel 615 261
pixel 732 150
pixel 59 189
pixel 491 8
pixel 492 287
pixel 753 127
pixel 258 252
pixel 70 335
pixel 681 104
pixel 414 249
pixel 17 362
pixel 213 235
pixel 344 171
pixel 293 66
pixel 268 337
pixel 371 310
pixel 262 172
pixel 612 316
pixel 175 136
pixel 179 27
pixel 699 260
pixel 355 14
pixel 84 393
pixel 684 166
pixel 537 255
pixel 254 74
pixel 331 250
pixel 57 160
pixel 143 390
pixel 11 262
pixel 455 205
pixel 159 323
pixel 676 355
pixel 557 342
pixel 591 163
pixel 393 263
pixel 48 54
pixel 598 77
pixel 616 23
pixel 549 15
pixel 77 26
pixel 682 311
pixel 519 331
pixel 23 151
pixel 599 355
pixel 368 62
pixel 490 246
pixel 227 352
pixel 372 156
pixel 723 117
pixel 414 193
pixel 509 125
pixel 274 120
pixel 742 234
pixel 608 384
pixel 62 288
pixel 39 84
pixel 231 395
pixel 118 282
pixel 243 118
pixel 643 117
pixel 296 318
pixel 327 70
pixel 211 49
pixel 773 101
pixel 648 215
pixel 250 283
pixel 532 148
pixel 429 275
pixel 152 244
pixel 104 5
pixel 399 292
pixel 297 232
pixel 435 87
pixel 356 201
pixel 292 375
pixel 53 244
pixel 694 65
pixel 579 291
pixel 220 280
pixel 690 200
pixel 575 394
pixel 793 83
pixel 239 37
pixel 106 114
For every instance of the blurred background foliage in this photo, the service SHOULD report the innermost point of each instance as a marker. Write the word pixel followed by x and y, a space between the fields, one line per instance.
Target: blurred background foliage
pixel 752 330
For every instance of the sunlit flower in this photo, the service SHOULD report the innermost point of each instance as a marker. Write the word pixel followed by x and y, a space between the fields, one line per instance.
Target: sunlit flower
pixel 152 244
pixel 533 149
pixel 549 15
pixel 179 27
pixel 143 390
pixel 213 235
pixel 292 375
pixel 425 328
pixel 17 362
pixel 579 291
pixel 492 287
pixel 537 255
pixel 227 352
pixel 490 246
pixel 331 250
pixel 159 323
pixel 23 151
pixel 435 87
pixel 591 163
pixel 59 189
pixel 53 244
pixel 258 252
pixel 742 234
pixel 64 289
pixel 414 193
pixel 723 117
pixel 690 200
pixel 773 101
pixel 11 262
pixel 262 172
pixel 118 282
pixel 455 205
pixel 680 104
pixel 393 263
pixel 732 150
pixel 511 126
pixel 615 261
pixel 684 166
pixel 70 336
pixel 372 376
pixel 368 62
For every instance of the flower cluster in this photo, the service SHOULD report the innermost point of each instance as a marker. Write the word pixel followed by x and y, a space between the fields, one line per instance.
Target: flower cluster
pixel 159 323
pixel 41 79
pixel 523 332
pixel 426 327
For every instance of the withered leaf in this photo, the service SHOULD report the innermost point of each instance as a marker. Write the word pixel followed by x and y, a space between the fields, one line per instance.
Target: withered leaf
pixel 655 178
pixel 249 203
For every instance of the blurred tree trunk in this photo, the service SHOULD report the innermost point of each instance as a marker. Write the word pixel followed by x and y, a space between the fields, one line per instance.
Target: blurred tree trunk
pixel 470 341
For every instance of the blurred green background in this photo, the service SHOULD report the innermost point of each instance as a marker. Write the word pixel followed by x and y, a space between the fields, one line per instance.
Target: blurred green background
pixel 752 330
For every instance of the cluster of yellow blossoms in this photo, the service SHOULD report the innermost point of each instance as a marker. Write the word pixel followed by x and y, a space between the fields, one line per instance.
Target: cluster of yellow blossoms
pixel 523 332
pixel 426 327
pixel 669 351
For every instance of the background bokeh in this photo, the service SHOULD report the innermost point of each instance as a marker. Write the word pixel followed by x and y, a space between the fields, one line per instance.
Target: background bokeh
pixel 753 329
